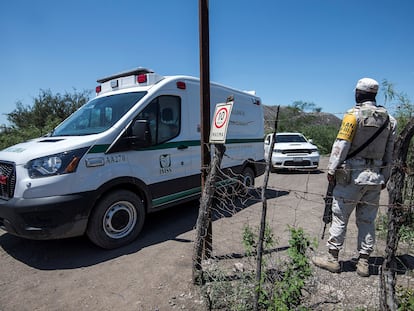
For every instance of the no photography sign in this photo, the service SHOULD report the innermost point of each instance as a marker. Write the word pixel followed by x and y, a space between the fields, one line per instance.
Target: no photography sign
pixel 220 122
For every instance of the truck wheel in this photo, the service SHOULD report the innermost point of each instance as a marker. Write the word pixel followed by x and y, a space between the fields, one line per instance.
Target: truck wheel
pixel 116 220
pixel 248 177
pixel 247 180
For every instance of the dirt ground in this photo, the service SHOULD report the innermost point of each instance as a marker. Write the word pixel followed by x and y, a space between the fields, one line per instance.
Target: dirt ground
pixel 154 272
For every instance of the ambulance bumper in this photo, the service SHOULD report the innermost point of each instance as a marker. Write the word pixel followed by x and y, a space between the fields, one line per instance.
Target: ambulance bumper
pixel 46 218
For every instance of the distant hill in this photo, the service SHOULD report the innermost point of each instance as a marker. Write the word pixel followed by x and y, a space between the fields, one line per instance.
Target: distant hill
pixel 287 114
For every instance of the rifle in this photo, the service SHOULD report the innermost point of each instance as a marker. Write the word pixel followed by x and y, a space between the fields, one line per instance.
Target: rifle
pixel 327 213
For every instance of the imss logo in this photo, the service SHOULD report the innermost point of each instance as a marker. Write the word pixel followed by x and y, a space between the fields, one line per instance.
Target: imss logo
pixel 165 164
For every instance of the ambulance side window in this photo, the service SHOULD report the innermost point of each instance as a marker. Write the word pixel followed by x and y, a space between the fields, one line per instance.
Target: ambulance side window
pixel 164 117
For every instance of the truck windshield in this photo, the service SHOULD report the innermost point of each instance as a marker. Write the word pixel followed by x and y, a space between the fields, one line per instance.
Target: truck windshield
pixel 98 115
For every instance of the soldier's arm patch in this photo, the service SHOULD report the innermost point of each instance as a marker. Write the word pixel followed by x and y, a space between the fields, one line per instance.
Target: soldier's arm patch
pixel 348 127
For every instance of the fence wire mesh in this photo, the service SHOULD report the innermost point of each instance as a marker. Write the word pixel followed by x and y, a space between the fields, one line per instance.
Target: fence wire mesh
pixel 295 199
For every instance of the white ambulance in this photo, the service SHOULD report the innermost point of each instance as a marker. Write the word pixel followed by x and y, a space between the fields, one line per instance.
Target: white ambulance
pixel 132 150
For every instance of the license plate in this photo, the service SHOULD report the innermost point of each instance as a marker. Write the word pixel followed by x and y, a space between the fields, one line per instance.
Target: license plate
pixel 297 159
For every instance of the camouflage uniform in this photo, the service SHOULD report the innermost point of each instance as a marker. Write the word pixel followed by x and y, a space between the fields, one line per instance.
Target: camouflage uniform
pixel 360 179
pixel 359 174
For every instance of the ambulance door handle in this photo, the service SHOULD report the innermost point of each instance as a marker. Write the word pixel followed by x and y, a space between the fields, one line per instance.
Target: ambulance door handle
pixel 181 147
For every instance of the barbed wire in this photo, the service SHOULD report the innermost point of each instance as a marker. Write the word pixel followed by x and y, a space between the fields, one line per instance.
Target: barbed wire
pixel 408 170
pixel 234 210
pixel 229 200
pixel 303 194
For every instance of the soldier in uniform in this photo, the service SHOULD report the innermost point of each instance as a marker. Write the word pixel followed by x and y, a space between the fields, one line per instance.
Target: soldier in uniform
pixel 360 166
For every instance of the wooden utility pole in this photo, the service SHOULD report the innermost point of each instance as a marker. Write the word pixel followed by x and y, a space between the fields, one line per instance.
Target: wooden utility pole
pixel 204 45
pixel 203 240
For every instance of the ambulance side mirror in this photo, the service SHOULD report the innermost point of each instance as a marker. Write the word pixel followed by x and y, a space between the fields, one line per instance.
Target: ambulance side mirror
pixel 141 134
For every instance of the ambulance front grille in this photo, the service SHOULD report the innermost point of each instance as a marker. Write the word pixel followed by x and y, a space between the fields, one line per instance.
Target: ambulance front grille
pixel 7 180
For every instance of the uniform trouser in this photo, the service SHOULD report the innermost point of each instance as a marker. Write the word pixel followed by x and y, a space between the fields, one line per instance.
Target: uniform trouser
pixel 345 199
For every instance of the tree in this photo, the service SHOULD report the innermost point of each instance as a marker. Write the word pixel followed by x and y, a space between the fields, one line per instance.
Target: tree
pixel 302 106
pixel 402 109
pixel 399 212
pixel 48 110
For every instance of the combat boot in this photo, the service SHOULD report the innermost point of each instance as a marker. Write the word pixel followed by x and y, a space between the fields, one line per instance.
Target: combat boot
pixel 362 266
pixel 329 262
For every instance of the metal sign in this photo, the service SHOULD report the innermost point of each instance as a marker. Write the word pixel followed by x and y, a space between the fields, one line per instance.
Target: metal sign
pixel 220 123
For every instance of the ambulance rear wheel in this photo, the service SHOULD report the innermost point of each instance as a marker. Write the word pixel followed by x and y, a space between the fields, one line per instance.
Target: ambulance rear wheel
pixel 247 181
pixel 116 220
pixel 248 177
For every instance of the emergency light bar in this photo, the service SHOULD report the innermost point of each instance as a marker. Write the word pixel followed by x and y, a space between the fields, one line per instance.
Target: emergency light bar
pixel 135 77
pixel 136 72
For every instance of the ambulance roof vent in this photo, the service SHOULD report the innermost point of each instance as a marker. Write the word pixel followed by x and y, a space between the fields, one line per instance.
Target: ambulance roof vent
pixel 136 71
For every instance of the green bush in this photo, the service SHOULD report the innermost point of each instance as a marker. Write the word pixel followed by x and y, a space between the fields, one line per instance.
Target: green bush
pixel 405 297
pixel 287 292
pixel 322 136
pixel 283 291
pixel 406 232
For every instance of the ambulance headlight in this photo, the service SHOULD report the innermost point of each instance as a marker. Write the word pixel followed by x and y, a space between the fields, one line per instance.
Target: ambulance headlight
pixel 56 164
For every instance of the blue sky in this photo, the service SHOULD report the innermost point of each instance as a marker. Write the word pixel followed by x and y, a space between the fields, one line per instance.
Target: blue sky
pixel 296 50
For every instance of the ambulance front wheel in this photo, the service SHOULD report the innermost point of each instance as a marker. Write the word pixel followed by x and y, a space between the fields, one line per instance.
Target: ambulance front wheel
pixel 116 220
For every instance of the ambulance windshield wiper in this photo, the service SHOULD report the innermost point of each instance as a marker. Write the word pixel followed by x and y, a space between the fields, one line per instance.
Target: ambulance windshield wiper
pixel 50 133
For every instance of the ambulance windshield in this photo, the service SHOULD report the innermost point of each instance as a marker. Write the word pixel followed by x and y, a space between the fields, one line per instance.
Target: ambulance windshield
pixel 98 115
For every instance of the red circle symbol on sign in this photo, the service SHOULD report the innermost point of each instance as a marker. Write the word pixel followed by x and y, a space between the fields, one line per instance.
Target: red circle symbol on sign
pixel 221 117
